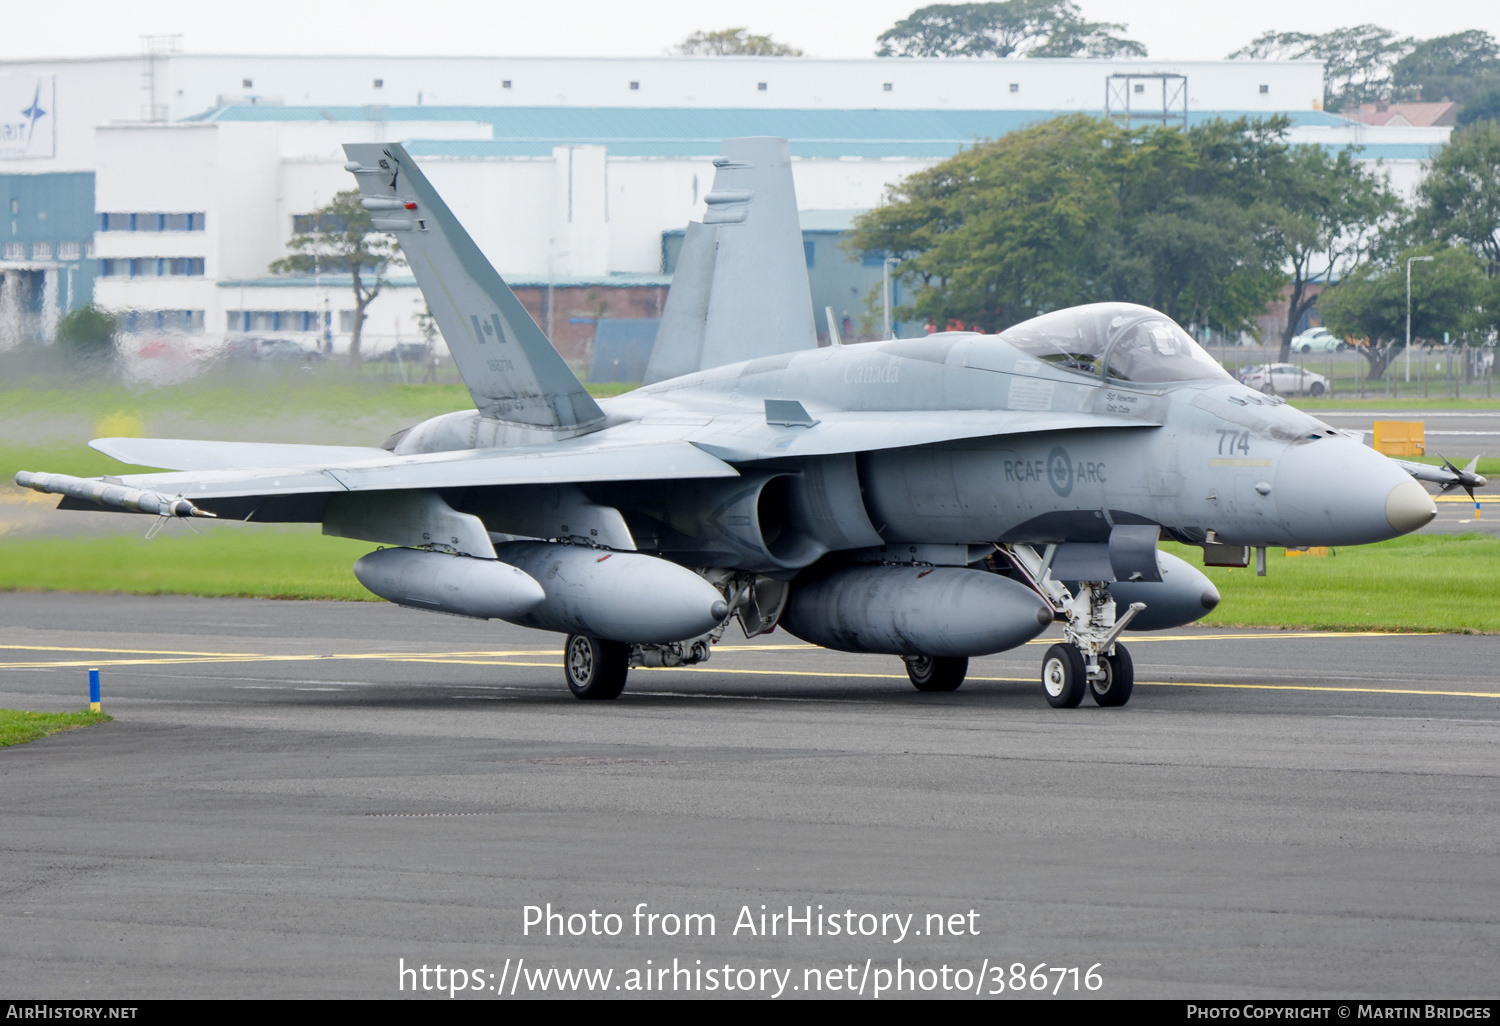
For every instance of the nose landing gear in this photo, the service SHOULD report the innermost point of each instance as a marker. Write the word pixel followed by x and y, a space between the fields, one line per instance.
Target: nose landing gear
pixel 1089 659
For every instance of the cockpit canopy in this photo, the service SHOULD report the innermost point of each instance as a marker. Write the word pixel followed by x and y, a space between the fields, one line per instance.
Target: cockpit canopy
pixel 1115 340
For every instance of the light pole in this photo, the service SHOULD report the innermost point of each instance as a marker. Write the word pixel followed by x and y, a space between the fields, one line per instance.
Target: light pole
pixel 1409 262
pixel 885 284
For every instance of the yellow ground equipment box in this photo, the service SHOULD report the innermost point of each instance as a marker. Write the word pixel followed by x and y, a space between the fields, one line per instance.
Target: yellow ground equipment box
pixel 1401 437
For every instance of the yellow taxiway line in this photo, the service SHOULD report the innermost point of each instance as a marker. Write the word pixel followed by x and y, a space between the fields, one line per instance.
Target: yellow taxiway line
pixel 508 658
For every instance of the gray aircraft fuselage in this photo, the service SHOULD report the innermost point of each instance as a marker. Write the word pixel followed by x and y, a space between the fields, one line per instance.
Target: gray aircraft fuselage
pixel 1204 455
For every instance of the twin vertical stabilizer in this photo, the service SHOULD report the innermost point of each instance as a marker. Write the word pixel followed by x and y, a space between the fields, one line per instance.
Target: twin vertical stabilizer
pixel 740 288
pixel 512 371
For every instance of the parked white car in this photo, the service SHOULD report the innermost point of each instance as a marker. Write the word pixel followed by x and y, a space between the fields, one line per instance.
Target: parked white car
pixel 1318 340
pixel 1284 378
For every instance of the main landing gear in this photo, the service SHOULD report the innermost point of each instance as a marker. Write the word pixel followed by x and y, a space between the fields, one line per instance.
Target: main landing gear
pixel 936 673
pixel 1089 659
pixel 596 669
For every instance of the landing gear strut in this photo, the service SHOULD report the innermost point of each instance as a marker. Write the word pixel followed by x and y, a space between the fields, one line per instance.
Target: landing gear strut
pixel 1090 659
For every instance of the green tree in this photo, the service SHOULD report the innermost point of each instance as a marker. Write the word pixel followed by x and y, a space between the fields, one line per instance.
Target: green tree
pixel 86 336
pixel 1327 215
pixel 1483 106
pixel 734 42
pixel 342 240
pixel 1009 28
pixel 1357 61
pixel 1450 294
pixel 1458 66
pixel 1079 210
pixel 1458 203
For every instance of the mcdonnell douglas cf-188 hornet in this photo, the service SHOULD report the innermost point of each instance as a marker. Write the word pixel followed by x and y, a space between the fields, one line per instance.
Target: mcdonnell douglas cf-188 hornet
pixel 933 498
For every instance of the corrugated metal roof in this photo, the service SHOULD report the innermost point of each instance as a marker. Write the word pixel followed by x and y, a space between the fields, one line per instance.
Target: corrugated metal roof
pixel 692 132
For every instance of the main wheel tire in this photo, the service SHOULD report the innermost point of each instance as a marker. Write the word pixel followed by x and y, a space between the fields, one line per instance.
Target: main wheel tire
pixel 595 669
pixel 1307 349
pixel 1316 389
pixel 936 673
pixel 1267 390
pixel 1063 677
pixel 1119 680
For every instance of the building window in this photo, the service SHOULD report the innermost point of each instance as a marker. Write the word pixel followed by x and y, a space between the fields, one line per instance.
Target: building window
pixel 115 221
pixel 1015 87
pixel 380 83
pixel 162 320
pixel 151 267
pixel 1140 87
pixel 41 251
pixel 887 86
pixel 809 251
pixel 15 251
pixel 505 84
pixel 68 251
pixel 1265 89
pixel 302 224
pixel 635 86
pixel 760 86
pixel 346 322
pixel 247 84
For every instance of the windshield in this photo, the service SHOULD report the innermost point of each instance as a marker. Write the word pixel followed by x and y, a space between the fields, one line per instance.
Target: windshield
pixel 1115 340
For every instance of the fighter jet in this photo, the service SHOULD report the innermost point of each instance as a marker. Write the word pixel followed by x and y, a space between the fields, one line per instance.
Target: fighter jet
pixel 934 498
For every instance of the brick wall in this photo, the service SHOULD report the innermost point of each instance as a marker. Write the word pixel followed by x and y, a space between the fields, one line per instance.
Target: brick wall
pixel 575 309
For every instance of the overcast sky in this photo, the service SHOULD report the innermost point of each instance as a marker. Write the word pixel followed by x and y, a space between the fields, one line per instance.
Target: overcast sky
pixel 1180 29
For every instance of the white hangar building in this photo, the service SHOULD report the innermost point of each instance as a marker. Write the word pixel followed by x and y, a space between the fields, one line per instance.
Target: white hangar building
pixel 164 186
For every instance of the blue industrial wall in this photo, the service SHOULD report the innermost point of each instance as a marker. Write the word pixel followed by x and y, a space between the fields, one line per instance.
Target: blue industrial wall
pixel 53 209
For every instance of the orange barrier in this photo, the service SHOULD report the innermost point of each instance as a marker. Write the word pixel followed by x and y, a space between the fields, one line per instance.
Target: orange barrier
pixel 1401 437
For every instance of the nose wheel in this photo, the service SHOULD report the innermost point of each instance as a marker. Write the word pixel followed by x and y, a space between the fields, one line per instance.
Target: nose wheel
pixel 1118 680
pixel 1063 679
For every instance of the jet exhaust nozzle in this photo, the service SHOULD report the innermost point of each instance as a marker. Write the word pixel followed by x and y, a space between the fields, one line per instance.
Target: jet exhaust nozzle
pixel 486 589
pixel 614 596
pixel 914 610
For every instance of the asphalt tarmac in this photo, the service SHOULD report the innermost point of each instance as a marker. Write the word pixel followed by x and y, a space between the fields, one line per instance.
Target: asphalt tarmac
pixel 295 797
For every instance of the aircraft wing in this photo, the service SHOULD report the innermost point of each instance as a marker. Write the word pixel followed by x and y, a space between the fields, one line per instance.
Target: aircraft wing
pixel 237 490
pixel 799 433
pixel 191 454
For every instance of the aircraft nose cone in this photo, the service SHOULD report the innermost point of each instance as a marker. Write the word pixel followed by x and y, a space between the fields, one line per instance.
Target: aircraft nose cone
pixel 1337 492
pixel 1408 507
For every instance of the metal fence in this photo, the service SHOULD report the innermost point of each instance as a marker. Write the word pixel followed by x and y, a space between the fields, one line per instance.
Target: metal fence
pixel 1452 371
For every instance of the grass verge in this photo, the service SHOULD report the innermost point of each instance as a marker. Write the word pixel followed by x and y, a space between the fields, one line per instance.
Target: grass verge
pixel 18 727
pixel 1380 402
pixel 1427 582
pixel 226 560
pixel 1422 582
